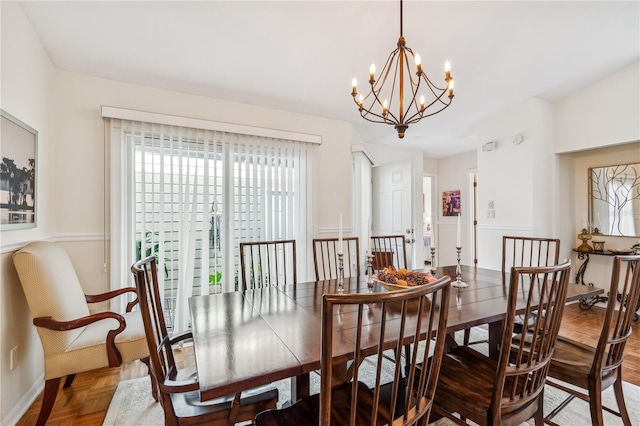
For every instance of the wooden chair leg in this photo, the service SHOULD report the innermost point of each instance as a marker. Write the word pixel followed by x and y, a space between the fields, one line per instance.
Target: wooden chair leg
pixel 68 381
pixel 154 382
pixel 622 407
pixel 467 335
pixel 538 417
pixel 595 404
pixel 51 387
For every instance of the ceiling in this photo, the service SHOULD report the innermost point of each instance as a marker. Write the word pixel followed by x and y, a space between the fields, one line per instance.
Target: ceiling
pixel 301 55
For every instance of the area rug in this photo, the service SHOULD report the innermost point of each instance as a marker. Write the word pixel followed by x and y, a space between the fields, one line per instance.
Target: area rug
pixel 133 405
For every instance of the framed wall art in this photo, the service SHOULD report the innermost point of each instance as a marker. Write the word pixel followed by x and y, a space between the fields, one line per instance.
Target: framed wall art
pixel 18 152
pixel 451 203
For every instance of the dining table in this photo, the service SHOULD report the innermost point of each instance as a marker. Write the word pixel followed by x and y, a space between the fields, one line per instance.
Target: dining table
pixel 244 340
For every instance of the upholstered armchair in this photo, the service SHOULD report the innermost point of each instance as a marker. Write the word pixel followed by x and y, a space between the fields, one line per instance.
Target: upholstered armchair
pixel 73 339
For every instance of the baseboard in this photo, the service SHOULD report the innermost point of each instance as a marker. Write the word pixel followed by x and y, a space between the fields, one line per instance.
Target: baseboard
pixel 25 402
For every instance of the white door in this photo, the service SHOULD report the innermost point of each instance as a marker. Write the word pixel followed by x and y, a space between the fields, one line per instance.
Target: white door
pixel 393 203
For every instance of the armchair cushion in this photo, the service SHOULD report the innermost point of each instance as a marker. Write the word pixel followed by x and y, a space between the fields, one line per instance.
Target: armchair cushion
pixel 52 289
pixel 87 351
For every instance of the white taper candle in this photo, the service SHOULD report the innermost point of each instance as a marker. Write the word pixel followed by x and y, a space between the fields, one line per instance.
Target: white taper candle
pixel 340 235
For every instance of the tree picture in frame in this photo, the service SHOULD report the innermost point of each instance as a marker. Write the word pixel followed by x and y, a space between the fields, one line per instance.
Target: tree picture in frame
pixel 18 151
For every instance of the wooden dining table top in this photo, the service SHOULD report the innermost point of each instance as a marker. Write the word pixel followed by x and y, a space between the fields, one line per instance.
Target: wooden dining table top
pixel 243 340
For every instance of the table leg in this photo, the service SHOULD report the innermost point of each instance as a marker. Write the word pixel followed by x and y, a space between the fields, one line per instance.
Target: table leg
pixel 495 338
pixel 299 387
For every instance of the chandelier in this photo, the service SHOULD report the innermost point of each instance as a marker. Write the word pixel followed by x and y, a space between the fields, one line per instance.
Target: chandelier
pixel 377 106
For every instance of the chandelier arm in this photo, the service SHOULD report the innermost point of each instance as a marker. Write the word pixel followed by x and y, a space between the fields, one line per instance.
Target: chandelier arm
pixel 377 86
pixel 415 87
pixel 364 113
pixel 432 85
pixel 417 116
pixel 441 109
pixel 438 99
pixel 381 82
pixel 422 114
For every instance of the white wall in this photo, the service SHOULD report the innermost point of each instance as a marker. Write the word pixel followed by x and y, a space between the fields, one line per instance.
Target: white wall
pixel 516 177
pixel 26 89
pixel 605 113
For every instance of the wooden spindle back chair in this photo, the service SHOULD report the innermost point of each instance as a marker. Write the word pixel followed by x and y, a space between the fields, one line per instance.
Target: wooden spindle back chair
pixel 325 257
pixel 178 390
pixel 529 251
pixel 593 368
pixel 524 251
pixel 268 263
pixel 377 322
pixel 509 390
pixel 388 250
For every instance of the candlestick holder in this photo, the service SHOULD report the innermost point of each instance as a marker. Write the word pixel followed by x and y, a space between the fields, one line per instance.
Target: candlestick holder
pixel 340 273
pixel 433 261
pixel 458 282
pixel 370 271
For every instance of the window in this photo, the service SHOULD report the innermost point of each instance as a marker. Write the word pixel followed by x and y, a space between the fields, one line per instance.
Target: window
pixel 190 196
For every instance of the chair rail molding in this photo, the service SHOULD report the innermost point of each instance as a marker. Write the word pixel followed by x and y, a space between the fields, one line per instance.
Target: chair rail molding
pixel 60 238
pixel 348 231
pixel 523 228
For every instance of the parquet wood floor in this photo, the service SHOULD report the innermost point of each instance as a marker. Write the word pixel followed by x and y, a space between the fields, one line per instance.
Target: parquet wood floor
pixel 87 400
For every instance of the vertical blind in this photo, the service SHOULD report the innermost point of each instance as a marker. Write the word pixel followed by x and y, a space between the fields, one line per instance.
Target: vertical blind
pixel 189 196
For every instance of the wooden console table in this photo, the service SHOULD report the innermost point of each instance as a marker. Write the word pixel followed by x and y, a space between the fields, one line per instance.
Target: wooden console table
pixel 587 303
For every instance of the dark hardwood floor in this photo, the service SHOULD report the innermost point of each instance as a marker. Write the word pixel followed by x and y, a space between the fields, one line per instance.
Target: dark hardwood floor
pixel 87 400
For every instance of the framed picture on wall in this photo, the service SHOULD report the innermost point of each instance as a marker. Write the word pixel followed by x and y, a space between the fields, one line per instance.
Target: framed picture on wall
pixel 451 203
pixel 18 152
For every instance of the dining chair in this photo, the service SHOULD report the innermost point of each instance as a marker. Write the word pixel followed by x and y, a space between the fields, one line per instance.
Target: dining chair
pixel 325 257
pixel 509 390
pixel 590 369
pixel 74 340
pixel 524 251
pixel 375 322
pixel 389 250
pixel 268 263
pixel 178 390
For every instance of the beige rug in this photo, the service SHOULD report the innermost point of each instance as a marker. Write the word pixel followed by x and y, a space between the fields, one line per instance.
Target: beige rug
pixel 132 403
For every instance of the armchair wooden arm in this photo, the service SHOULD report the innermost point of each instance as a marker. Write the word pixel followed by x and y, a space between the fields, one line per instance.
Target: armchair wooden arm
pixel 179 337
pixel 95 298
pixel 179 386
pixel 113 354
